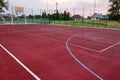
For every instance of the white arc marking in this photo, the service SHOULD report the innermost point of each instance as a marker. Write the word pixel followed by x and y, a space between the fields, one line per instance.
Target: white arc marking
pixel 77 60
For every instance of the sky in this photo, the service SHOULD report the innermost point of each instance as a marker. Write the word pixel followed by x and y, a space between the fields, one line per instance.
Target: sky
pixel 73 6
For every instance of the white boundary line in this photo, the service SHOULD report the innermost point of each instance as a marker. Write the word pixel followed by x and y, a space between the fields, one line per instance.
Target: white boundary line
pixel 110 47
pixel 19 62
pixel 77 60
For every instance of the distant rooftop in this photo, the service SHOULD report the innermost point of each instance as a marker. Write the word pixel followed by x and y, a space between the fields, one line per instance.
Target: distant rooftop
pixel 77 16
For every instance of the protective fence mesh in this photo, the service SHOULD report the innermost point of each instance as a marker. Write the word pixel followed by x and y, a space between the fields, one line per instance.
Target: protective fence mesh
pixel 82 16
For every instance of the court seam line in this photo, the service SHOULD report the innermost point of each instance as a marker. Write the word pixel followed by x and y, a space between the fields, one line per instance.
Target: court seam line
pixel 58 40
pixel 78 61
pixel 62 42
pixel 20 63
pixel 107 48
pixel 44 29
pixel 52 39
pixel 49 29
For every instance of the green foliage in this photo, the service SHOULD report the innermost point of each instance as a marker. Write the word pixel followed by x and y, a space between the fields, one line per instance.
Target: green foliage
pixel 3 4
pixel 22 16
pixel 114 10
pixel 44 15
pixel 37 16
pixel 56 15
pixel 30 16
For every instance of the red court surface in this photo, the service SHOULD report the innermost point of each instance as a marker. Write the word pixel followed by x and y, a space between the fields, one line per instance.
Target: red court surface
pixel 54 52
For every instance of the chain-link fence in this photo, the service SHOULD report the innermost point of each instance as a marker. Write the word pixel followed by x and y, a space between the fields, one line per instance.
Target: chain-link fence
pixel 82 16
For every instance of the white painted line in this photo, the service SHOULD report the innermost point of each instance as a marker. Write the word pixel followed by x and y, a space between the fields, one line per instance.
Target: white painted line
pixel 77 60
pixel 85 48
pixel 110 47
pixel 19 62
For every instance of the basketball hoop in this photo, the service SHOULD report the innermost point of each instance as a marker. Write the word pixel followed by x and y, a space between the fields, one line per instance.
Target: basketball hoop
pixel 19 9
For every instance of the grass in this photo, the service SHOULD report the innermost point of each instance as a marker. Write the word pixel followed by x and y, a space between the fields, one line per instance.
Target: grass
pixel 89 23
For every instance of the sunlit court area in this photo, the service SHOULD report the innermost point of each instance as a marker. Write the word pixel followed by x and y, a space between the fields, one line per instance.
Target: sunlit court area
pixel 59 40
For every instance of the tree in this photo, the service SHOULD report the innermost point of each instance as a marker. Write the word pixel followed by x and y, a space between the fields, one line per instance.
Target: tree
pixel 30 16
pixel 22 16
pixel 3 4
pixel 57 15
pixel 114 11
pixel 44 15
pixel 66 15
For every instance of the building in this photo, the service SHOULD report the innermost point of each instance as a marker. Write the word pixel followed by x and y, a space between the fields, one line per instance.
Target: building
pixel 96 16
pixel 77 17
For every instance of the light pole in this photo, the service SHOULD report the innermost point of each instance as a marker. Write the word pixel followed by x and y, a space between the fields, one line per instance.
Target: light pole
pixel 94 12
pixel 74 11
pixel 56 6
pixel 10 5
pixel 83 15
